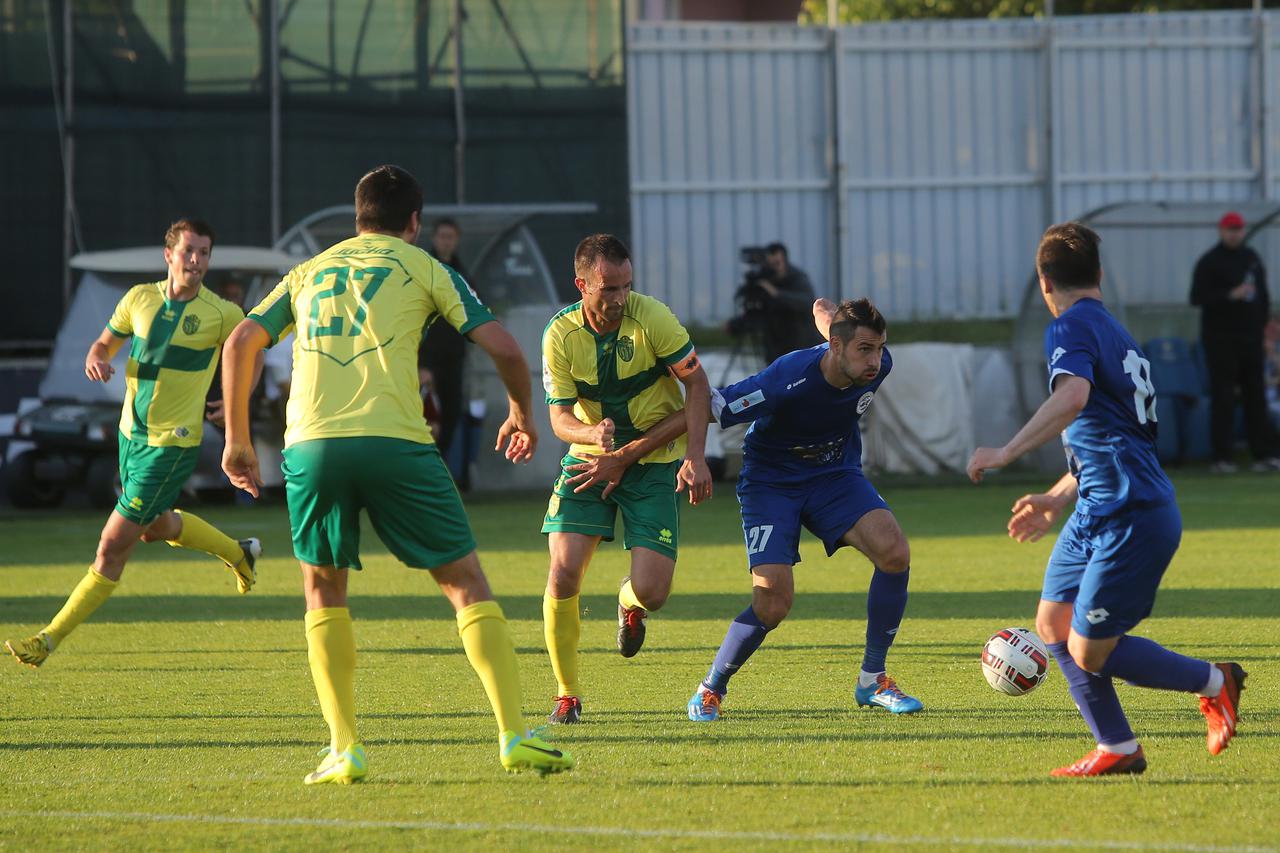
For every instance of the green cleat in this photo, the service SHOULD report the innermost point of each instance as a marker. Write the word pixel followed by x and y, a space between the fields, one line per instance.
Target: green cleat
pixel 526 752
pixel 340 768
pixel 246 574
pixel 32 651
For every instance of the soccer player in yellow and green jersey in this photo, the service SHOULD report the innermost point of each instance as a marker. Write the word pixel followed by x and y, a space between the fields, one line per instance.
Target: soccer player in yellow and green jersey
pixel 177 327
pixel 356 440
pixel 612 365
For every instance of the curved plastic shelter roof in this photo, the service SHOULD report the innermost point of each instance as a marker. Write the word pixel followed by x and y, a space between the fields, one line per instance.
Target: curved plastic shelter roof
pixel 504 261
pixel 1149 250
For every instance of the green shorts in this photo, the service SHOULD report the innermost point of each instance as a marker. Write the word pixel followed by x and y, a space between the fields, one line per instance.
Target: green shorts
pixel 405 487
pixel 151 478
pixel 647 497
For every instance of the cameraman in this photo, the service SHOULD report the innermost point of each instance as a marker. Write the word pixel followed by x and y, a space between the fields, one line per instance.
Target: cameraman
pixel 782 305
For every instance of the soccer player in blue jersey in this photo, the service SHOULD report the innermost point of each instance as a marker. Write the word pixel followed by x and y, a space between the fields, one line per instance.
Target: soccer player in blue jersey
pixel 802 467
pixel 1104 570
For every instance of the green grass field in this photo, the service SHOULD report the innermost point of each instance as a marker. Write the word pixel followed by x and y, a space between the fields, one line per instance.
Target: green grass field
pixel 183 716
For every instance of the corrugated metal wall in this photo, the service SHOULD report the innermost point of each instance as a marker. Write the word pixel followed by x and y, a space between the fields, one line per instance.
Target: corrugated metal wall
pixel 957 142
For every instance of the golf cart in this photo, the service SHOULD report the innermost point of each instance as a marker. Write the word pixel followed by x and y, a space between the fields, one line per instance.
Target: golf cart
pixel 69 441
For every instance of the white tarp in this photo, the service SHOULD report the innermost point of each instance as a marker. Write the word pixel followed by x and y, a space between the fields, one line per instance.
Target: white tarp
pixel 94 301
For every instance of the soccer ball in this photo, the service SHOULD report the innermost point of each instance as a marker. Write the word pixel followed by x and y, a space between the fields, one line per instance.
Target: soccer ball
pixel 1015 661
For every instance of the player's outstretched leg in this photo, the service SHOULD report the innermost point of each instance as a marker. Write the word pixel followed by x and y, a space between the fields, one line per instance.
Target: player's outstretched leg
pixel 487 641
pixel 87 597
pixel 744 636
pixel 886 604
pixel 561 628
pixel 1117 749
pixel 196 534
pixel 1222 709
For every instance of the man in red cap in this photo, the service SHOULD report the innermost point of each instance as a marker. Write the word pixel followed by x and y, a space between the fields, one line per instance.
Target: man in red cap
pixel 1230 288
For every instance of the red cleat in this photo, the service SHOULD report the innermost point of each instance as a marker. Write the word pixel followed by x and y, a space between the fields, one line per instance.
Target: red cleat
pixel 1223 711
pixel 1099 763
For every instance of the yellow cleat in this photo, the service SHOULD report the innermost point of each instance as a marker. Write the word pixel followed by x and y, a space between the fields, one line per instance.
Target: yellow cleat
pixel 340 768
pixel 246 574
pixel 526 752
pixel 32 651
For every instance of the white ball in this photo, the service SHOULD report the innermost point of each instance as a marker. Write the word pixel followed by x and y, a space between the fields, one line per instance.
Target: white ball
pixel 1015 661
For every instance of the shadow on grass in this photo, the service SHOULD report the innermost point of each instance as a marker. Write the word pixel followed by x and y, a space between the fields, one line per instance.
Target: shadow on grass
pixel 1017 606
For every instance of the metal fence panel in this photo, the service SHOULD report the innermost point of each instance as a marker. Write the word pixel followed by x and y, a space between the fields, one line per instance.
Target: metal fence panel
pixel 729 132
pixel 956 142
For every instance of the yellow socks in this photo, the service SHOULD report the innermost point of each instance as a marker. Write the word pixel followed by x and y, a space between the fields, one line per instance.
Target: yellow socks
pixel 87 597
pixel 627 596
pixel 561 626
pixel 199 535
pixel 331 649
pixel 487 641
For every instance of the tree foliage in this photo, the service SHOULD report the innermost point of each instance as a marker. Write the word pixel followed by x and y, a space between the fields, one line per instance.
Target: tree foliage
pixel 854 11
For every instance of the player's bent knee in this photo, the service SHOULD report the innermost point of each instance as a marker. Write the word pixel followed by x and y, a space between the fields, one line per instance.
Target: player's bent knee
pixel 897 559
pixel 652 595
pixel 771 609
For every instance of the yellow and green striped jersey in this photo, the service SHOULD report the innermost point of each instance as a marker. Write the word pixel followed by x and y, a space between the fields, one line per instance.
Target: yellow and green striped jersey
pixel 358 310
pixel 171 361
pixel 623 375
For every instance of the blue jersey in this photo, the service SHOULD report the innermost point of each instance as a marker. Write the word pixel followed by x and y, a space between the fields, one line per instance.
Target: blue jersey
pixel 801 426
pixel 1110 445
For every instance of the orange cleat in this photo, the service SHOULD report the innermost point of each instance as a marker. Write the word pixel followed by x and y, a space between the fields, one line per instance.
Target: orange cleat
pixel 1100 763
pixel 1223 711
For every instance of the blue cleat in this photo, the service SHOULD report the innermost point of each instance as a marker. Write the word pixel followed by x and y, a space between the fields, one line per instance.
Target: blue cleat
pixel 886 694
pixel 704 707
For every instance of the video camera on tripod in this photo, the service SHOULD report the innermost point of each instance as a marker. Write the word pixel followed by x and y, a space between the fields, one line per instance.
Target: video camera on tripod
pixel 751 301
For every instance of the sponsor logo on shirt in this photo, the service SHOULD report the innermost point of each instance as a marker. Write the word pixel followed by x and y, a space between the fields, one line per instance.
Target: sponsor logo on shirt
pixel 864 402
pixel 741 404
pixel 797 383
pixel 821 454
pixel 182 432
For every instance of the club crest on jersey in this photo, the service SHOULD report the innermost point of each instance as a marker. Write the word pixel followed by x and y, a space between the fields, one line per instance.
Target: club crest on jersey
pixel 191 324
pixel 864 402
pixel 626 348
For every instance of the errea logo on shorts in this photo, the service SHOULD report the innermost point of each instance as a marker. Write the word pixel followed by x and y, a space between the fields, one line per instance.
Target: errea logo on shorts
pixel 1097 616
pixel 664 536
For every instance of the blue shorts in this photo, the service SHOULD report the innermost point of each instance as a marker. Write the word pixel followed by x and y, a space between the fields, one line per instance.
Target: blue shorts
pixel 827 506
pixel 1111 567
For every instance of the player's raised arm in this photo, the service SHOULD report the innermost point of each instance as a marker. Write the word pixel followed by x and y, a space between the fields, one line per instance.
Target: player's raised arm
pixel 241 362
pixel 1070 394
pixel 517 433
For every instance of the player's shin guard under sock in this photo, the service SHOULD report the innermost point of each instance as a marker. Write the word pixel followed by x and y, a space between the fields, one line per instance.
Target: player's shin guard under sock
pixel 331 650
pixel 886 602
pixel 199 535
pixel 487 641
pixel 1144 663
pixel 561 627
pixel 87 597
pixel 744 636
pixel 1096 698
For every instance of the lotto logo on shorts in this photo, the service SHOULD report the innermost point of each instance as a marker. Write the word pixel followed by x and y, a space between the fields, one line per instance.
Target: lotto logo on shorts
pixel 1097 616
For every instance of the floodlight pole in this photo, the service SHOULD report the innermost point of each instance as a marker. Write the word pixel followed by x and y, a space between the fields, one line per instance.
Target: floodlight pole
pixel 68 152
pixel 459 111
pixel 273 61
pixel 1265 110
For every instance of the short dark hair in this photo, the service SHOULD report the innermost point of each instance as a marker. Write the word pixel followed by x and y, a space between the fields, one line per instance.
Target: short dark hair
pixel 595 247
pixel 386 198
pixel 853 313
pixel 196 226
pixel 1068 256
pixel 445 222
pixel 776 247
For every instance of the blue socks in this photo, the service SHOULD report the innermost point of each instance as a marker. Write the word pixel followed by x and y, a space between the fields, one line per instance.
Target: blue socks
pixel 1144 663
pixel 744 636
pixel 886 602
pixel 1096 698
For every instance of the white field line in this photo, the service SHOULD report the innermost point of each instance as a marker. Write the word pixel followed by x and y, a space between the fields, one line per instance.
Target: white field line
pixel 629 832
